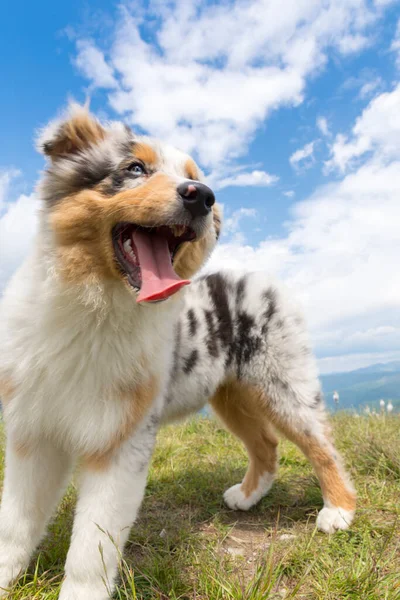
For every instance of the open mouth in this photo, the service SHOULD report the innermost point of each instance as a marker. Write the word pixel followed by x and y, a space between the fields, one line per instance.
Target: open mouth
pixel 146 254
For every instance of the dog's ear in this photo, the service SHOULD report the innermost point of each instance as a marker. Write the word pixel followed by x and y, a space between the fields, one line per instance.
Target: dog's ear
pixel 71 135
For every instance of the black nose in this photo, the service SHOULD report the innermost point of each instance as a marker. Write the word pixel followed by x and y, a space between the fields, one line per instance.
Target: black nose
pixel 197 197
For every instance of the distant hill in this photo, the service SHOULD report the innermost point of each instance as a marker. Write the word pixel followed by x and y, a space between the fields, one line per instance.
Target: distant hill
pixel 364 386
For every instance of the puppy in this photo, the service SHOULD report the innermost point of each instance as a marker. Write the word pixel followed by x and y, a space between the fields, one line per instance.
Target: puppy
pixel 102 341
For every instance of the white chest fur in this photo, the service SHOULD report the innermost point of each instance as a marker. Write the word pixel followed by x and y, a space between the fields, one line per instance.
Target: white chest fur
pixel 68 360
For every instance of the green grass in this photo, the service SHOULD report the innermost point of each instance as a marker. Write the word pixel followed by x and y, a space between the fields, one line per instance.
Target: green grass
pixel 187 545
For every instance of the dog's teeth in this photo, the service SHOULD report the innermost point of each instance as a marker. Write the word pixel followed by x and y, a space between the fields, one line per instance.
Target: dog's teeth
pixel 178 230
pixel 128 246
pixel 128 249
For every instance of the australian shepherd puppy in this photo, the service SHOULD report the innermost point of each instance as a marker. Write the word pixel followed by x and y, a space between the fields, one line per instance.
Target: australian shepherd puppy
pixel 101 342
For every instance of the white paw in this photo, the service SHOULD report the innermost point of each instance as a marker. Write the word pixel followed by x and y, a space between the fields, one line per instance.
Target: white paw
pixel 7 577
pixel 80 591
pixel 330 520
pixel 9 573
pixel 235 498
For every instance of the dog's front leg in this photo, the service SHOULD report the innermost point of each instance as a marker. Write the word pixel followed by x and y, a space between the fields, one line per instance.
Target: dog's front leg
pixel 109 498
pixel 35 477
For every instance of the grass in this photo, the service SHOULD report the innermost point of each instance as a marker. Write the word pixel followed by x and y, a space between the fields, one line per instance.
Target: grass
pixel 186 545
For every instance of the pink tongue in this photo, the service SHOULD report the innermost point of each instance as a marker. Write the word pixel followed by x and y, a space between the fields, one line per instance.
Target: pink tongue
pixel 159 280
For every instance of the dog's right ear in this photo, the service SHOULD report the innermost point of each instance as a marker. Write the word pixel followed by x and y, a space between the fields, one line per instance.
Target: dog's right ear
pixel 71 135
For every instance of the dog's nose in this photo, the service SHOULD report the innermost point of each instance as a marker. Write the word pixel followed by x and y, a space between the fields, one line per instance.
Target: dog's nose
pixel 197 197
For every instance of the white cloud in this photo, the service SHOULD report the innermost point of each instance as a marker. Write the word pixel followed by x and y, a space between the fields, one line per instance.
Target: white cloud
pixel 395 47
pixel 289 194
pixel 203 92
pixel 17 229
pixel 6 177
pixel 349 362
pixel 340 257
pixel 385 2
pixel 304 157
pixel 369 87
pixel 367 81
pixel 350 44
pixel 251 179
pixel 91 62
pixel 323 126
pixel 17 225
pixel 377 130
pixel 232 224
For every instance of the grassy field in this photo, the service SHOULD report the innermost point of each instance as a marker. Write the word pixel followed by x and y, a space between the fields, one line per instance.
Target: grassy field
pixel 187 545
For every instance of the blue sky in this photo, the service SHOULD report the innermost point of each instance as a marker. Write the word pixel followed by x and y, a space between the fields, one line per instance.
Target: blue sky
pixel 292 114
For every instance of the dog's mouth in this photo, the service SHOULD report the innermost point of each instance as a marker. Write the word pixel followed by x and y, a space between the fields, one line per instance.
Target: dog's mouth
pixel 146 254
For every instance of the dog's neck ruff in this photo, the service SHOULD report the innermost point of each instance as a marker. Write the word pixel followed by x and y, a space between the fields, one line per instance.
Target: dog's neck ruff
pixel 74 352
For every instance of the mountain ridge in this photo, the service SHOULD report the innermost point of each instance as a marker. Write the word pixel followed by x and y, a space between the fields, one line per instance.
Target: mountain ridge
pixel 365 386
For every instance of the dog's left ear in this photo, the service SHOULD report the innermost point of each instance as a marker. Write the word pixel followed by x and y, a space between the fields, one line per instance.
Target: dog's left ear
pixel 71 135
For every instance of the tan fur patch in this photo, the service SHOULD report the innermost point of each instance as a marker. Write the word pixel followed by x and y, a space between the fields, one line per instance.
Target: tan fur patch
pixel 146 154
pixel 7 390
pixel 75 135
pixel 329 473
pixel 217 218
pixel 240 409
pixel 192 255
pixel 137 401
pixel 191 170
pixel 22 449
pixel 326 462
pixel 82 224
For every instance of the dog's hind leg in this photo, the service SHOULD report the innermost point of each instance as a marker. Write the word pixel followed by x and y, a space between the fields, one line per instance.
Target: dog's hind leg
pixel 249 412
pixel 34 480
pixel 240 409
pixel 311 433
pixel 297 411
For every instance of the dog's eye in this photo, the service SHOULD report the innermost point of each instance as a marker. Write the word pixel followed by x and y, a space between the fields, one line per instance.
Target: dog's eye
pixel 136 169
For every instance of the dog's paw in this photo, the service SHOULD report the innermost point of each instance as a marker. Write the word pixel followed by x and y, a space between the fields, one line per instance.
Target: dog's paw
pixel 330 520
pixel 236 499
pixel 8 575
pixel 71 590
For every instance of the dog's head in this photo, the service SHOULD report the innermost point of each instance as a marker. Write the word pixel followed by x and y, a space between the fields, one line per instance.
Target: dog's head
pixel 124 207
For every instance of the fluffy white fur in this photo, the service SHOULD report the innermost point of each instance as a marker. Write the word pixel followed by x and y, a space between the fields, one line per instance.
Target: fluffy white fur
pixel 330 520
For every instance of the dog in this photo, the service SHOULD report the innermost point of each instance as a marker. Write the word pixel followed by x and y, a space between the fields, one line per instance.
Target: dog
pixel 103 340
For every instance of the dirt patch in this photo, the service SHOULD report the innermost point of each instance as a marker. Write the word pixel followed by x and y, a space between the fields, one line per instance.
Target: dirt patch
pixel 248 539
pixel 245 545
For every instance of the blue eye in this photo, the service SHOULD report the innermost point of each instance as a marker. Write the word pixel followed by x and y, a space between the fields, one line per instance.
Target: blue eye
pixel 136 169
